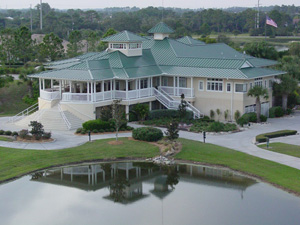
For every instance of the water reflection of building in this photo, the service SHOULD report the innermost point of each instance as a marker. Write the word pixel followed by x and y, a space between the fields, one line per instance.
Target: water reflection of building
pixel 125 180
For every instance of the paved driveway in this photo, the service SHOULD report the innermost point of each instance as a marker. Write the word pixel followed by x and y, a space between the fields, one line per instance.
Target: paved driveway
pixel 241 141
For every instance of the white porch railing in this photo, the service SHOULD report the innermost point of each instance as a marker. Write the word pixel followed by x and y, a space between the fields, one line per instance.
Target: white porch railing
pixel 49 95
pixel 67 122
pixel 188 92
pixel 24 113
pixel 76 97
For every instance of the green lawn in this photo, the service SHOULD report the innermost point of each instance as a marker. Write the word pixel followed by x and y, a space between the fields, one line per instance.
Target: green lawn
pixel 293 150
pixel 272 172
pixel 15 162
pixel 5 139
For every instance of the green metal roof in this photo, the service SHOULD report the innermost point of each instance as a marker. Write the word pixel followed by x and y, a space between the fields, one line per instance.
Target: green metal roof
pixel 162 57
pixel 190 41
pixel 161 28
pixel 124 36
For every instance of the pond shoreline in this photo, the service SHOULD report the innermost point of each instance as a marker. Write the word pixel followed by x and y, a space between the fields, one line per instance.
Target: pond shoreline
pixel 134 159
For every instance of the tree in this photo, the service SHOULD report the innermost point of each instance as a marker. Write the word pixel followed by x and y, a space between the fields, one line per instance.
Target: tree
pixel 118 116
pixel 205 29
pixel 92 41
pixel 51 47
pixel 141 110
pixel 23 44
pixel 172 130
pixel 257 92
pixel 182 107
pixel 37 129
pixel 294 49
pixel 7 47
pixel 75 45
pixel 261 50
pixel 4 80
pixel 287 86
pixel 102 45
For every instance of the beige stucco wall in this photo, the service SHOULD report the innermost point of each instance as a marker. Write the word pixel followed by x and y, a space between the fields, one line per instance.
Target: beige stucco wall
pixel 232 101
pixel 46 104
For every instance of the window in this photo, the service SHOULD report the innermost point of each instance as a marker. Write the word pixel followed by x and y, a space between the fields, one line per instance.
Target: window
pixel 182 82
pixel 117 85
pixel 144 83
pixel 240 88
pixel 201 86
pixel 164 81
pixel 228 87
pixel 135 45
pixel 251 84
pixel 258 82
pixel 270 83
pixel 119 46
pixel 214 84
pixel 265 83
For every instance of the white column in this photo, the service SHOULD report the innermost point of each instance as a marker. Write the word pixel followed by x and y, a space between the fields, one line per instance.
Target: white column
pixel 111 89
pixel 51 83
pixel 178 85
pixel 127 111
pixel 102 89
pixel 60 88
pixel 70 85
pixel 126 89
pixel 160 84
pixel 114 89
pixel 40 84
pixel 81 87
pixel 139 87
pixel 92 91
pixel 192 86
pixel 44 84
pixel 151 85
pixel 150 106
pixel 174 86
pixel 88 91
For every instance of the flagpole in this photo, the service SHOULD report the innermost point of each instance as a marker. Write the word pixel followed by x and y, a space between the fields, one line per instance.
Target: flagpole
pixel 266 30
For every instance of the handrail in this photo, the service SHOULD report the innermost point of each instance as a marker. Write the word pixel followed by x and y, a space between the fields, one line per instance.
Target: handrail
pixel 165 93
pixel 67 122
pixel 68 105
pixel 25 112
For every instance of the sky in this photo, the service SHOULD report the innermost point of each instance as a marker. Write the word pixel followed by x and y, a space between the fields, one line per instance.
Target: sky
pixel 193 4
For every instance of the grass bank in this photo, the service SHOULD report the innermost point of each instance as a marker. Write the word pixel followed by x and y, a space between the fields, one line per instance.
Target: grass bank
pixel 16 162
pixel 292 150
pixel 275 173
pixel 5 139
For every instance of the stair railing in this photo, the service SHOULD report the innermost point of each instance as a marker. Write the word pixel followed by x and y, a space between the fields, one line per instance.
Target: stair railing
pixel 24 113
pixel 66 121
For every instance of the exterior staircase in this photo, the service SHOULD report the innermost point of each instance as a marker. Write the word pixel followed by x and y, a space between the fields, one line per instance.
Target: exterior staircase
pixel 170 103
pixel 52 119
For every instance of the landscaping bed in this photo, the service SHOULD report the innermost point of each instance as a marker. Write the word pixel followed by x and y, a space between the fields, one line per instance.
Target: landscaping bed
pixel 281 133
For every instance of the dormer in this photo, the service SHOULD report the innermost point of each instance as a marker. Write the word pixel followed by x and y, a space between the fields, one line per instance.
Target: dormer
pixel 161 31
pixel 126 42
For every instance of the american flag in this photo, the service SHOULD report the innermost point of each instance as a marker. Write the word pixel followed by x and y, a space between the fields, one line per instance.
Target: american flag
pixel 271 22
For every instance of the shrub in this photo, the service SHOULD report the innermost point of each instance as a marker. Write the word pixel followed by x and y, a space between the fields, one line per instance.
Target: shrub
pixel 129 128
pixel 172 130
pixel 122 129
pixel 263 137
pixel 23 133
pixel 83 131
pixel 106 130
pixel 36 130
pixel 276 112
pixel 288 111
pixel 230 127
pixel 101 131
pixel 14 133
pixel 242 121
pixel 252 117
pixel 100 125
pixel 168 113
pixel 8 132
pixel 47 135
pixel 141 110
pixel 112 130
pixel 212 114
pixel 237 115
pixel 147 134
pixel 95 131
pixel 263 118
pixel 216 127
pixel 1 132
pixel 132 116
pixel 78 131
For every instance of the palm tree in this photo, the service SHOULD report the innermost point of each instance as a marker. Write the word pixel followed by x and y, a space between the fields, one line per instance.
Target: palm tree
pixel 287 86
pixel 257 92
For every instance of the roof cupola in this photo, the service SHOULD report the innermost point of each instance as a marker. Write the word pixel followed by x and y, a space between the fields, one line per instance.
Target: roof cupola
pixel 161 31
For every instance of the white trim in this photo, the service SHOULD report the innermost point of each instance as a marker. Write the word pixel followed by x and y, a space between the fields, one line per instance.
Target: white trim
pixel 230 87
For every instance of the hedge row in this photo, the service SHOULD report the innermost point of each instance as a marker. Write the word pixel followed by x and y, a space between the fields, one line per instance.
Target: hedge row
pixel 8 133
pixel 100 125
pixel 147 134
pixel 250 117
pixel 263 137
pixel 276 112
pixel 168 113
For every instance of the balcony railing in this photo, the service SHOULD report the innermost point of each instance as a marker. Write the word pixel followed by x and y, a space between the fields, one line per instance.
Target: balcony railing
pixel 109 95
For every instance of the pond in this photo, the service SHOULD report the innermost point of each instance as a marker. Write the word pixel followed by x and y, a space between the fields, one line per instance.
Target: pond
pixel 139 193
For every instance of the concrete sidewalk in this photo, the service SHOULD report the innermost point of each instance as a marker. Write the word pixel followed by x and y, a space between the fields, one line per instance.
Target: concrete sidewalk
pixel 241 141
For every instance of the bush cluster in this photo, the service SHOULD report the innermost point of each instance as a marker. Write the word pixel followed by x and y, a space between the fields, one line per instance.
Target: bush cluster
pixel 95 131
pixel 263 137
pixel 201 126
pixel 8 133
pixel 250 117
pixel 147 134
pixel 168 113
pixel 276 112
pixel 100 125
